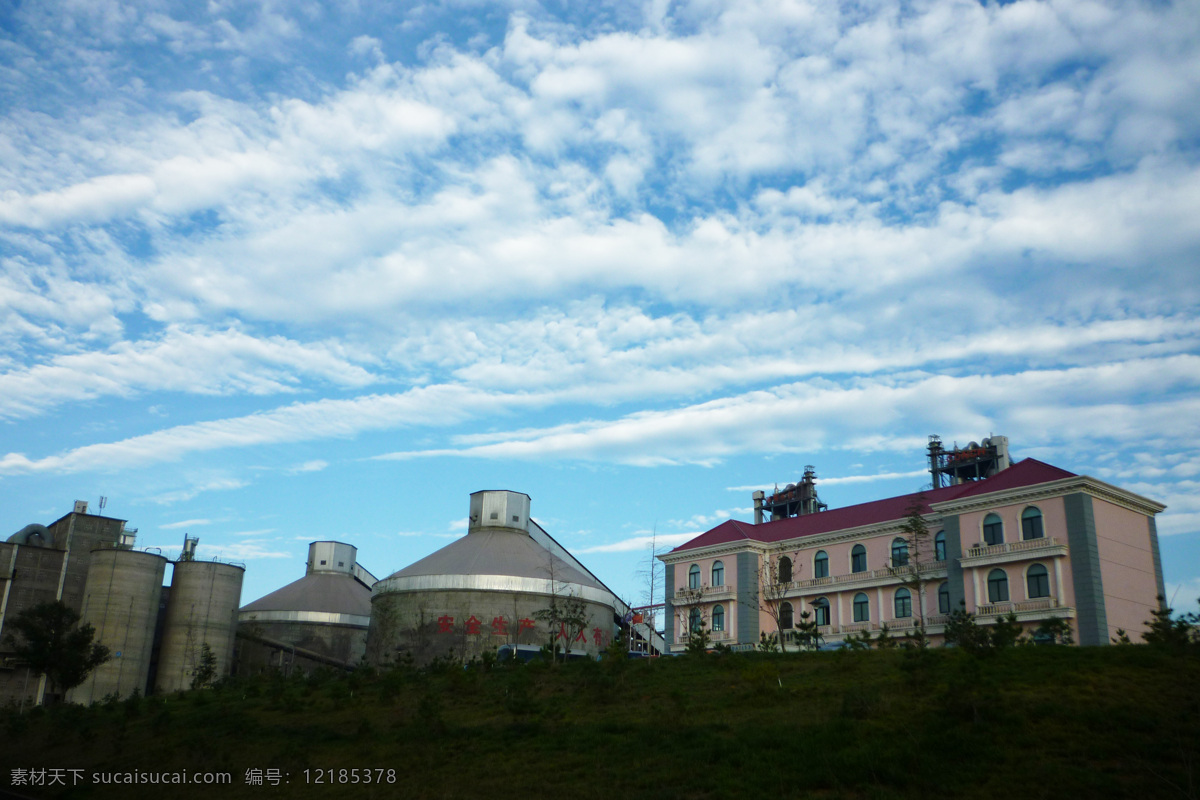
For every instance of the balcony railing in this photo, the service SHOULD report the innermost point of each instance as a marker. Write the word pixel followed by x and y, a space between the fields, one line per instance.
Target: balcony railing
pixel 1004 548
pixel 1040 604
pixel 884 573
pixel 704 591
pixel 713 636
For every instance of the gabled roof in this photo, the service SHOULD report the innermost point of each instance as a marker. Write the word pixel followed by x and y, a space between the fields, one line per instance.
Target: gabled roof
pixel 1028 472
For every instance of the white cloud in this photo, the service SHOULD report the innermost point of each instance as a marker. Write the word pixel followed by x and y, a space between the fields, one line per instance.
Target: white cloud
pixel 243 551
pixel 315 465
pixel 636 543
pixel 196 488
pixel 881 476
pixel 187 523
pixel 437 405
pixel 1051 406
pixel 194 361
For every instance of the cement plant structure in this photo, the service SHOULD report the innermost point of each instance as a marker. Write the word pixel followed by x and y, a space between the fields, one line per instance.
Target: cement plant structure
pixel 319 620
pixel 486 590
pixel 156 634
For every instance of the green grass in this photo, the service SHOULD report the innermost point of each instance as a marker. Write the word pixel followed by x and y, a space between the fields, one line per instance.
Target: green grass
pixel 1029 722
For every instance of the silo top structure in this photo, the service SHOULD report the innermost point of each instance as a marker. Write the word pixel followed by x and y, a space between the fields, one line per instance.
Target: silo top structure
pixel 334 590
pixel 497 554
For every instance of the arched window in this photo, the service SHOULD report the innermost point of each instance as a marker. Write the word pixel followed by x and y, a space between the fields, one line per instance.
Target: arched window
pixel 694 620
pixel 993 529
pixel 694 577
pixel 1037 582
pixel 903 603
pixel 718 574
pixel 862 608
pixel 858 559
pixel 997 586
pixel 1031 524
pixel 944 599
pixel 785 616
pixel 821 611
pixel 718 618
pixel 785 570
pixel 939 546
pixel 899 552
pixel 821 565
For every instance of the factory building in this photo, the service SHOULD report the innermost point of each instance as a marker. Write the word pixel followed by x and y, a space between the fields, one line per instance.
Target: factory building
pixel 320 620
pixel 45 563
pixel 1024 538
pixel 156 635
pixel 488 590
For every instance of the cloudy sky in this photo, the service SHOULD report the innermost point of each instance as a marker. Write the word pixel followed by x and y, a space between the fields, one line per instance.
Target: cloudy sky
pixel 273 272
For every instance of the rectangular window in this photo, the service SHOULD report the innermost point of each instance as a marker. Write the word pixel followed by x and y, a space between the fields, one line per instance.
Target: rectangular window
pixel 862 611
pixel 1031 528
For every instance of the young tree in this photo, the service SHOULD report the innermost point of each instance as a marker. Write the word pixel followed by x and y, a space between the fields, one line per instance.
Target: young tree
pixel 692 615
pixel 1006 631
pixel 566 617
pixel 1057 630
pixel 919 556
pixel 52 645
pixel 1171 632
pixel 808 632
pixel 775 576
pixel 962 631
pixel 206 670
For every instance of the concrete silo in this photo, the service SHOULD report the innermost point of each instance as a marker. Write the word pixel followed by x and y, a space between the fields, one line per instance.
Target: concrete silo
pixel 121 597
pixel 201 610
pixel 487 590
pixel 318 620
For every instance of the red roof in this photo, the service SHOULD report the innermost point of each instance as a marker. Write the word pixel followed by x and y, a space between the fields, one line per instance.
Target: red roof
pixel 1027 472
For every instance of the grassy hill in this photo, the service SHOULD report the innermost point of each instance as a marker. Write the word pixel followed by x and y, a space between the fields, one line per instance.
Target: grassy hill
pixel 1027 722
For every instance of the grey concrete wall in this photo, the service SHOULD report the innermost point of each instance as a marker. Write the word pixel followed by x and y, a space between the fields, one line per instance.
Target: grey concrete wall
pixel 954 571
pixel 669 610
pixel 1158 573
pixel 747 598
pixel 1084 552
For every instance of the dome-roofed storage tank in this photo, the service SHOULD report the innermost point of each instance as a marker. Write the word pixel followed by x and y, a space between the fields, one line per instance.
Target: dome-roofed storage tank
pixel 320 619
pixel 487 590
pixel 121 602
pixel 201 610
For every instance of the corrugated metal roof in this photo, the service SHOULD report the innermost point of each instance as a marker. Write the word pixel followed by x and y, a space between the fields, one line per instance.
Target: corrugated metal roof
pixel 498 552
pixel 330 592
pixel 1027 472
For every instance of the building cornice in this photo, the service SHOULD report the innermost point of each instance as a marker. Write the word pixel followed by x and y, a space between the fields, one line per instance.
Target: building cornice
pixel 713 550
pixel 1042 491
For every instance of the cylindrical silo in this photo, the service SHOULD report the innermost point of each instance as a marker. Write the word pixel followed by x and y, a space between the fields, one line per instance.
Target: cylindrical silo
pixel 121 602
pixel 201 610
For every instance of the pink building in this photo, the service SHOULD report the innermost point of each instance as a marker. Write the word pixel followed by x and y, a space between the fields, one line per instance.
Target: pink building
pixel 1031 539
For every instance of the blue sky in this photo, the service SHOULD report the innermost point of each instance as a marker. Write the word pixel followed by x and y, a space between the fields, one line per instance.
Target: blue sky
pixel 273 272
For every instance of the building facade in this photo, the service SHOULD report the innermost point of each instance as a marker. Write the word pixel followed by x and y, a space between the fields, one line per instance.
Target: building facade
pixel 1029 539
pixel 44 564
